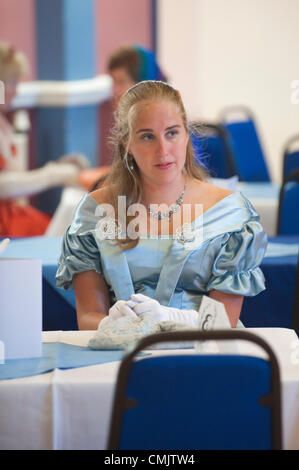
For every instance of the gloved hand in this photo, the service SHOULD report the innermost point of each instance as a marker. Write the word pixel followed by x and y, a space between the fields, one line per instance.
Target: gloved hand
pixel 118 310
pixel 211 315
pixel 141 304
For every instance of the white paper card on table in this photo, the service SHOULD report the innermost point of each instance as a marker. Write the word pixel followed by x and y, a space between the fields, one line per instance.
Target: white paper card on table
pixel 21 307
pixel 213 316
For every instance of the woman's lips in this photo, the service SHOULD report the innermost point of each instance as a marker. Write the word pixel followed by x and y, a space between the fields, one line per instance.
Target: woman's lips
pixel 164 166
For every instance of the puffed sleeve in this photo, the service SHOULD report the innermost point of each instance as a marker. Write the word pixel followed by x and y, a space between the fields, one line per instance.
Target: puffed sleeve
pixel 235 269
pixel 79 249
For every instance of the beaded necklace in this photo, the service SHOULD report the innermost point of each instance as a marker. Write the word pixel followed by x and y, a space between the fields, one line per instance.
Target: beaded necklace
pixel 173 209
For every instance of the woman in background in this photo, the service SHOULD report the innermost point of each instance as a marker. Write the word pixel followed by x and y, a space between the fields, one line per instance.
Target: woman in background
pixel 17 219
pixel 164 270
pixel 129 65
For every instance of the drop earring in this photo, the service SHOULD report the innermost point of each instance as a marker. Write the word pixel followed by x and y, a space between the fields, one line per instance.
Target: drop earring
pixel 131 162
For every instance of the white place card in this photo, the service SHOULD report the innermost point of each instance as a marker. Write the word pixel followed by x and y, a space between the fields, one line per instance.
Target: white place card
pixel 213 316
pixel 20 308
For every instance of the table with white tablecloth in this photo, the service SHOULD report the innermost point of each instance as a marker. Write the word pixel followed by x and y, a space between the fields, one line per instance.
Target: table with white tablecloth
pixel 70 409
pixel 265 199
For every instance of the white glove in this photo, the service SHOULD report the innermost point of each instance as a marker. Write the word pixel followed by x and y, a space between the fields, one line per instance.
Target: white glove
pixel 141 304
pixel 118 310
pixel 211 315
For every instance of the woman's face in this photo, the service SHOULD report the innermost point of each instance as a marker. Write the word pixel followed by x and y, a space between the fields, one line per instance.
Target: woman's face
pixel 122 81
pixel 158 141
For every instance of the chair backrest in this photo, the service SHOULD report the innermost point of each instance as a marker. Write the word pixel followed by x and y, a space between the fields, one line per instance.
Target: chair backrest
pixel 247 149
pixel 290 156
pixel 288 206
pixel 295 315
pixel 212 149
pixel 196 401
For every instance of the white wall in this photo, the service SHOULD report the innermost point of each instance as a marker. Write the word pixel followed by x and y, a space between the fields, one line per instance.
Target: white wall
pixel 177 46
pixel 219 53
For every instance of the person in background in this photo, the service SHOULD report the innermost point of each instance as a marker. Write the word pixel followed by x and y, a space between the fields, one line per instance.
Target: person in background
pixel 178 255
pixel 129 65
pixel 16 218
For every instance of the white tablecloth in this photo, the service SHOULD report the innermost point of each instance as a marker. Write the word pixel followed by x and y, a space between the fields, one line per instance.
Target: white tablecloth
pixel 70 409
pixel 265 198
pixel 63 216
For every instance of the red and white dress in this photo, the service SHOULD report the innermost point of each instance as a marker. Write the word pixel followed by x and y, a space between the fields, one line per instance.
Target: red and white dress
pixel 16 220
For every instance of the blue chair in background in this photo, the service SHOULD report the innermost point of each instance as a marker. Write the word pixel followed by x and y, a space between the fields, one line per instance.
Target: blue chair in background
pixel 295 316
pixel 290 156
pixel 197 401
pixel 288 206
pixel 247 149
pixel 212 149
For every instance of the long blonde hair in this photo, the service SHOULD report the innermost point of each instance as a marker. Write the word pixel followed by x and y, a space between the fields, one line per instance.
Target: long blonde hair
pixel 124 177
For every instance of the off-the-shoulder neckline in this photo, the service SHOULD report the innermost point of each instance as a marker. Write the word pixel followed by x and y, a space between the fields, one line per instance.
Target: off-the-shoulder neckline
pixel 209 210
pixel 223 213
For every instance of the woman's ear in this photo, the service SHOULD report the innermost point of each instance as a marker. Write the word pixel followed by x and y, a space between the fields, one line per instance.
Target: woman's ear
pixel 126 146
pixel 188 138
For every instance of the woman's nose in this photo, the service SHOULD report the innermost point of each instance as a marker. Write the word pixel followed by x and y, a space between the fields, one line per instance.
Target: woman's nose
pixel 162 147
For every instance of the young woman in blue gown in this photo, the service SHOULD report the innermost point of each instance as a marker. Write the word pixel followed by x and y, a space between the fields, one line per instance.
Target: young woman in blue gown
pixel 204 240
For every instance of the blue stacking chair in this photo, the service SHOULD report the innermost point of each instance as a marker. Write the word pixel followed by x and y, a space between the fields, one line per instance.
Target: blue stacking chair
pixel 247 149
pixel 197 401
pixel 291 156
pixel 212 149
pixel 295 316
pixel 288 212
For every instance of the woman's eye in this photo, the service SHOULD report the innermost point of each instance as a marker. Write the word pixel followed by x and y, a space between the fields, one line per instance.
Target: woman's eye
pixel 147 136
pixel 172 133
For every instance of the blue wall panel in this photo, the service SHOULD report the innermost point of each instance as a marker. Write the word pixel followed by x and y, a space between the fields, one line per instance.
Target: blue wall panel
pixel 65 52
pixel 79 39
pixel 49 41
pixel 82 129
pixel 62 131
pixel 65 39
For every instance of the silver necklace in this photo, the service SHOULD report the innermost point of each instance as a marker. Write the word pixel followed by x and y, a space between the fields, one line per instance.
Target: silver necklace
pixel 172 210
